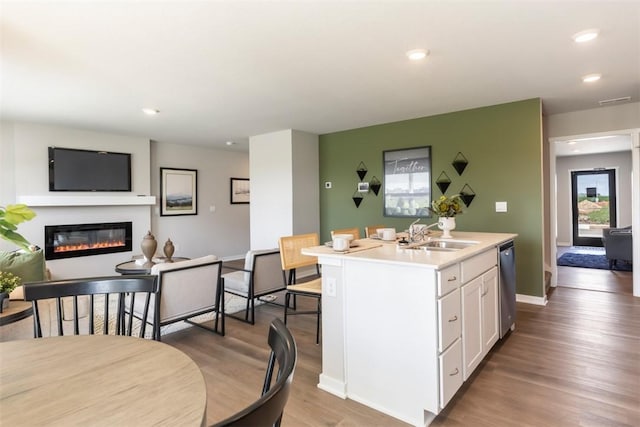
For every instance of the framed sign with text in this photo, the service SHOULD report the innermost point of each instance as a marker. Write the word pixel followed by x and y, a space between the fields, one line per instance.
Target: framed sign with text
pixel 407 182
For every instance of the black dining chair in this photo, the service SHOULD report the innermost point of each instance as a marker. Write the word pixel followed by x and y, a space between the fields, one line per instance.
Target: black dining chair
pixel 90 301
pixel 268 409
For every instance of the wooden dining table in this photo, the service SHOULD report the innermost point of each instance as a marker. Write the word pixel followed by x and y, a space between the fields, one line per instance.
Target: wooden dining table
pixel 99 380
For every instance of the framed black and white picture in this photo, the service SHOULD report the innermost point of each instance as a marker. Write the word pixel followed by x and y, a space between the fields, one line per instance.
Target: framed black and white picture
pixel 407 182
pixel 178 192
pixel 239 191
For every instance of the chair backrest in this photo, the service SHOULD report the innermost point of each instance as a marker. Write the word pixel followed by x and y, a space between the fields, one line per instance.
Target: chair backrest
pixel 267 410
pixel 266 272
pixel 107 293
pixel 187 287
pixel 372 229
pixel 290 250
pixel 355 231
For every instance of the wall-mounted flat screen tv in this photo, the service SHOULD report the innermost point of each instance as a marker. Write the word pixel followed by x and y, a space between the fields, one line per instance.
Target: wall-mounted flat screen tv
pixel 86 170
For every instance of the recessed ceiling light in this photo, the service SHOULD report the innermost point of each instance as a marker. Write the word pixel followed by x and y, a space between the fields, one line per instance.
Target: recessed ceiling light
pixel 590 78
pixel 230 143
pixel 417 54
pixel 150 111
pixel 586 35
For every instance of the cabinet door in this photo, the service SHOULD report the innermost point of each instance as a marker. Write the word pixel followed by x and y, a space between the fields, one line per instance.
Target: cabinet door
pixel 472 348
pixel 490 319
pixel 449 319
pixel 450 373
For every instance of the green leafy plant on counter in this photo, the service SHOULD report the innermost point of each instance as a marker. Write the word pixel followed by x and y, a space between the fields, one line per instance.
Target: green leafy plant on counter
pixel 447 206
pixel 10 217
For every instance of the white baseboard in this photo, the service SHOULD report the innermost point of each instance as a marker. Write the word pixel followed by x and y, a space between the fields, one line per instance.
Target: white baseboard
pixel 529 299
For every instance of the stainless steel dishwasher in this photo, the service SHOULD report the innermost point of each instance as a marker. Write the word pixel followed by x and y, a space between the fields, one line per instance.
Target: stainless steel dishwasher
pixel 507 267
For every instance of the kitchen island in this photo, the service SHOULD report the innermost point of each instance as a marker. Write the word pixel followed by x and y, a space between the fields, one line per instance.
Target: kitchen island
pixel 404 327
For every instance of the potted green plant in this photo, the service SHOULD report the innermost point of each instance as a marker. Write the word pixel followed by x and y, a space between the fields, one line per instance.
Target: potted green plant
pixel 8 282
pixel 447 208
pixel 10 217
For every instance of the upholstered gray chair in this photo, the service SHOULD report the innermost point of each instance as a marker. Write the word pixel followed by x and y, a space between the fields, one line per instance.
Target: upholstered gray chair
pixel 618 244
pixel 186 289
pixel 261 276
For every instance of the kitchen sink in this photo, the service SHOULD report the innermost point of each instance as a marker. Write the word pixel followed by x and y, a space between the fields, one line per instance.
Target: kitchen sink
pixel 442 245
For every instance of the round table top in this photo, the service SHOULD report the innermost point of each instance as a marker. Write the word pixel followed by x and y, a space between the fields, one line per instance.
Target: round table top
pixel 17 310
pixel 99 380
pixel 131 267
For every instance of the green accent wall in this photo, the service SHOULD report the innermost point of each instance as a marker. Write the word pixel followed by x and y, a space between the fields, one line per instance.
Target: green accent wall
pixel 503 144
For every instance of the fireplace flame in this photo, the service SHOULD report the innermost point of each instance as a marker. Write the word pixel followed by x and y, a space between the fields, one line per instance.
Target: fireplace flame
pixel 86 246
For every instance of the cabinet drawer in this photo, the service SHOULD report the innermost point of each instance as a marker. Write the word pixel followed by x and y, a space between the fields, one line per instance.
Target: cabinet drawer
pixel 449 319
pixel 450 372
pixel 475 266
pixel 448 279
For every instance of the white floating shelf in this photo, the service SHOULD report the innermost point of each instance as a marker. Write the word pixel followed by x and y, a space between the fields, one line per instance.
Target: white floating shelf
pixel 87 200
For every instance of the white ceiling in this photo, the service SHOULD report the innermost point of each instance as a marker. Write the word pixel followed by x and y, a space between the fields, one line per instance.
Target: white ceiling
pixel 226 70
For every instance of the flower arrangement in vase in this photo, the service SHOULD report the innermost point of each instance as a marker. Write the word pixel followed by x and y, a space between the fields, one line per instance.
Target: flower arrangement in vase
pixel 447 208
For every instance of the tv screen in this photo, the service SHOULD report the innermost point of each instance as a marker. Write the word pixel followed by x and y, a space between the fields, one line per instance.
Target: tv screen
pixel 86 170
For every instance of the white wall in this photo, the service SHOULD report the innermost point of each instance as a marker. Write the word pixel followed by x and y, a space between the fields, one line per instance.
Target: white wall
pixel 284 186
pixel 306 186
pixel 26 174
pixel 219 228
pixel 595 121
pixel 564 165
pixel 604 119
pixel 271 158
pixel 223 232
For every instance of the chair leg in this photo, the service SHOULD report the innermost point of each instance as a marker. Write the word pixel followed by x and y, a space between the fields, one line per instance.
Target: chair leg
pixel 287 297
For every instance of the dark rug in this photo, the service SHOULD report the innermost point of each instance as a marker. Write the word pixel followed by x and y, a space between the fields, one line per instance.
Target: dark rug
pixel 591 261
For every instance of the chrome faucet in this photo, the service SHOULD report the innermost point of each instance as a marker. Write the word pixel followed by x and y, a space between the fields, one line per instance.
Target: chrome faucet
pixel 418 236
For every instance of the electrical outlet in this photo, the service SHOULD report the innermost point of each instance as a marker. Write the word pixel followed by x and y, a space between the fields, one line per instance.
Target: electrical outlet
pixel 501 206
pixel 331 286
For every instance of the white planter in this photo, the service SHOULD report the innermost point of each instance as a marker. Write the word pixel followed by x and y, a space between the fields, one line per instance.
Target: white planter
pixel 446 224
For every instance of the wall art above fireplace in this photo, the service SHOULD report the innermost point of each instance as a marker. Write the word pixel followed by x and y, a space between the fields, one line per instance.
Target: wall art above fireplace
pixel 77 240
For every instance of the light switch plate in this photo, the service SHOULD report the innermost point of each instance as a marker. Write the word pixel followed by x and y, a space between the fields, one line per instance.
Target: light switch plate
pixel 327 184
pixel 501 206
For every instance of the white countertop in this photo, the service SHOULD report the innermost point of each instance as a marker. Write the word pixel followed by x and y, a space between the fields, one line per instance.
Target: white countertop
pixel 378 251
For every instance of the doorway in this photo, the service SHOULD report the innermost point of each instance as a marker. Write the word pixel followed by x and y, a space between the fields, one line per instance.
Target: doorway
pixel 593 204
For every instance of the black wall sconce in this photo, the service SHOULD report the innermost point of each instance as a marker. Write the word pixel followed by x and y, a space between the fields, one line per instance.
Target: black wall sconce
pixel 459 163
pixel 443 182
pixel 467 195
pixel 362 170
pixel 375 185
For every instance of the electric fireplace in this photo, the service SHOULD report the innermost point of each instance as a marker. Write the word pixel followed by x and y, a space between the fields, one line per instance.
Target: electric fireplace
pixel 77 240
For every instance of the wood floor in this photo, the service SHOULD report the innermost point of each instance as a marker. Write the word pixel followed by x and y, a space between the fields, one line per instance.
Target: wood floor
pixel 574 362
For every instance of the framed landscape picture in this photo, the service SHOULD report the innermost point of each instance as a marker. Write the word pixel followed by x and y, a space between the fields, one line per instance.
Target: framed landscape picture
pixel 178 192
pixel 239 190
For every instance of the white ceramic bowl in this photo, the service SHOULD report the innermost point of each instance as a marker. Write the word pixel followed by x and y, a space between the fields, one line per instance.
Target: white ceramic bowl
pixel 349 237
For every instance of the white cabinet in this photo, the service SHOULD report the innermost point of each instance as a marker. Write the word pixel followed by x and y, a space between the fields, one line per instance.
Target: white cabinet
pixel 490 310
pixel 472 325
pixel 449 320
pixel 449 333
pixel 480 319
pixel 450 372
